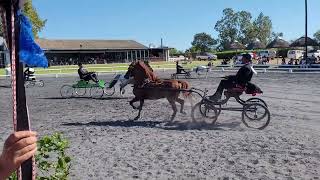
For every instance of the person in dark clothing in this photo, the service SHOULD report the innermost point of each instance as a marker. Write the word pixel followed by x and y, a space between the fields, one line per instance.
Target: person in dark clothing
pixel 85 75
pixel 179 68
pixel 243 76
pixel 283 61
pixel 29 74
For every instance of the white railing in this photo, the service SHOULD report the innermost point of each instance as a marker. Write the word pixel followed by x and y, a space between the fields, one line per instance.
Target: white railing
pixel 114 70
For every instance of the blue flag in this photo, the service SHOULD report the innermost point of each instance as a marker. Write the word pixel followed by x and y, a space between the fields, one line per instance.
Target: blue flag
pixel 30 53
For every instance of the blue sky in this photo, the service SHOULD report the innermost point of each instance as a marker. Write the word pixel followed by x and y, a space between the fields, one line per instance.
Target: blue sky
pixel 176 21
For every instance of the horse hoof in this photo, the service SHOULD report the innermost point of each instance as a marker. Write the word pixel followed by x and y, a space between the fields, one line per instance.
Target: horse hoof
pixel 183 112
pixel 136 118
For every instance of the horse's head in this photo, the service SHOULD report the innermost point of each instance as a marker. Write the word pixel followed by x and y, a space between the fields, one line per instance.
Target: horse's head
pixel 140 72
pixel 130 71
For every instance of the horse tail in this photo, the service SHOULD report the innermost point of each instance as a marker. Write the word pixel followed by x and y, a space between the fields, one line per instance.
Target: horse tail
pixel 184 85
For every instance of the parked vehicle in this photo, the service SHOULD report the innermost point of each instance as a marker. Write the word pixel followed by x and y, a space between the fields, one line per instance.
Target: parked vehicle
pixel 178 58
pixel 295 54
pixel 267 54
pixel 206 56
pixel 315 53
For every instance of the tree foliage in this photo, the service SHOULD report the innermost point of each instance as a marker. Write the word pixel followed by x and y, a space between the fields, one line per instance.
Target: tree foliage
pixel 52 159
pixel 203 42
pixel 174 51
pixel 263 28
pixel 275 35
pixel 241 27
pixel 37 23
pixel 227 27
pixel 317 36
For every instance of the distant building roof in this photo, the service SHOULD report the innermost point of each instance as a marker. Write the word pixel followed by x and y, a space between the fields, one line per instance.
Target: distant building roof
pixel 47 44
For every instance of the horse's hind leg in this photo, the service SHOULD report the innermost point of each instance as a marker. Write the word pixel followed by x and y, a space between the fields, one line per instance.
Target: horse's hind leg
pixel 140 109
pixel 181 102
pixel 135 99
pixel 174 108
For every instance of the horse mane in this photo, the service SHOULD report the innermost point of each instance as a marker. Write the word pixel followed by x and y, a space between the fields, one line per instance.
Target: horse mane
pixel 148 71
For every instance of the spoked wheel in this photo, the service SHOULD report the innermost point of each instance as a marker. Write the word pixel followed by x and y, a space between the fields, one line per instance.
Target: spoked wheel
pixel 256 115
pixel 80 91
pixel 256 100
pixel 28 84
pixel 66 91
pixel 109 91
pixel 217 106
pixel 188 75
pixel 40 83
pixel 203 112
pixel 96 92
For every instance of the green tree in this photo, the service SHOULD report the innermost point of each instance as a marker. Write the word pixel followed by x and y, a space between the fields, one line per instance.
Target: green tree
pixel 227 27
pixel 238 26
pixel 37 23
pixel 174 51
pixel 203 42
pixel 317 36
pixel 247 32
pixel 263 28
pixel 275 35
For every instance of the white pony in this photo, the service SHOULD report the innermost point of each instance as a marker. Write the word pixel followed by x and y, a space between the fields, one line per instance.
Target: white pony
pixel 201 69
pixel 123 82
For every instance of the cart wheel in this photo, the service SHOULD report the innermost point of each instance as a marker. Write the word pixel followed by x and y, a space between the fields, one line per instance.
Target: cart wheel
pixel 96 92
pixel 255 115
pixel 188 75
pixel 80 91
pixel 41 83
pixel 26 84
pixel 256 100
pixel 109 91
pixel 66 91
pixel 29 84
pixel 217 106
pixel 203 112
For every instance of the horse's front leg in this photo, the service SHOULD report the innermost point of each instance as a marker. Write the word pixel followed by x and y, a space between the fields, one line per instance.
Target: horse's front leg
pixel 135 99
pixel 140 109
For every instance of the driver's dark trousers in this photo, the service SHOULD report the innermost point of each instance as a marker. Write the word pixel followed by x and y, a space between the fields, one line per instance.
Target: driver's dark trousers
pixel 179 71
pixel 91 76
pixel 224 84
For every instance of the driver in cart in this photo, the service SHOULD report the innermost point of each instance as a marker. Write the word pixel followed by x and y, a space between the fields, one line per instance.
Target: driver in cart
pixel 85 75
pixel 180 69
pixel 29 74
pixel 241 79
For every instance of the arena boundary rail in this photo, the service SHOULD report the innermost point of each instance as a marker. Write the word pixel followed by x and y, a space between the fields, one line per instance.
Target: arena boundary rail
pixel 220 68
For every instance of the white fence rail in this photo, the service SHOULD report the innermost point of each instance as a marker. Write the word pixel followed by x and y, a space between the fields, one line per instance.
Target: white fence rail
pixel 220 68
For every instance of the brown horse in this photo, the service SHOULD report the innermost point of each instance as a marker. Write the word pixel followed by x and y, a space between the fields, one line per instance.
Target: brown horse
pixel 148 86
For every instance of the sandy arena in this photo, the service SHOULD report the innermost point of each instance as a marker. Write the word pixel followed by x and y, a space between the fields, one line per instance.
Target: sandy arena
pixel 105 146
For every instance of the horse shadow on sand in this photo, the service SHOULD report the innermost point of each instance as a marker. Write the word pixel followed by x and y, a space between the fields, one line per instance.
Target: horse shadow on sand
pixel 179 126
pixel 103 98
pixel 5 86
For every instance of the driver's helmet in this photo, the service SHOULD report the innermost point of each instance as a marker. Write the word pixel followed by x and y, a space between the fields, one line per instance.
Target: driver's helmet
pixel 31 70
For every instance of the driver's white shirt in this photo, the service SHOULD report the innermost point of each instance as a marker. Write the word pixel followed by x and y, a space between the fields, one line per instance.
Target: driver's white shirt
pixel 253 70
